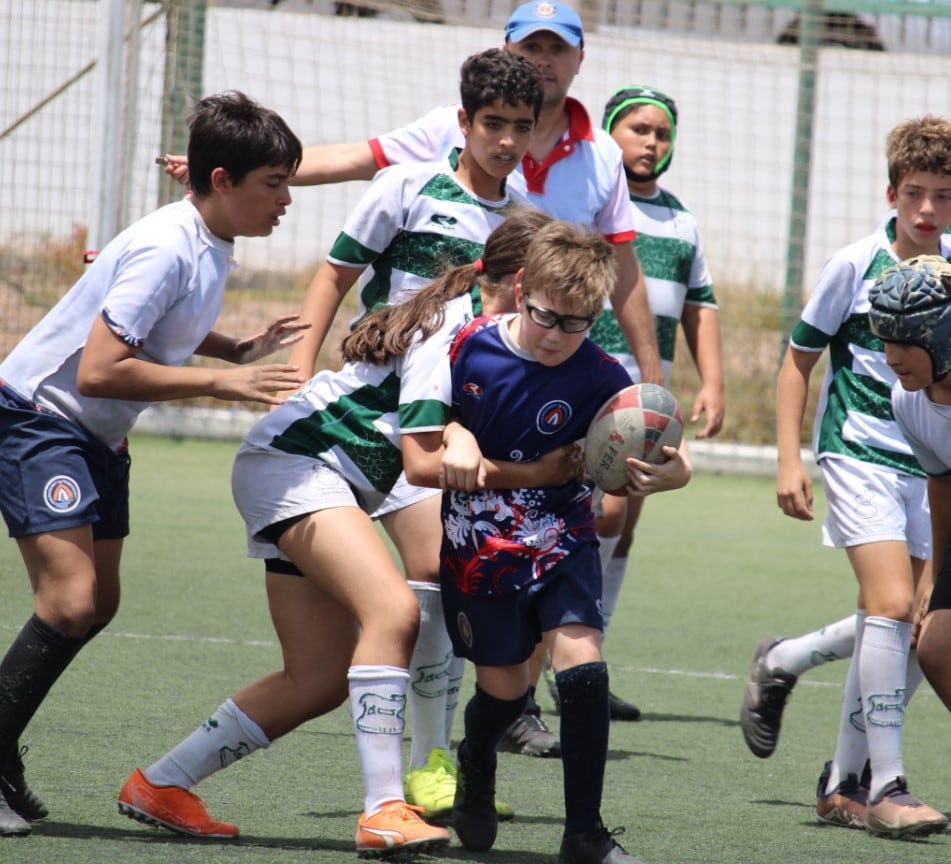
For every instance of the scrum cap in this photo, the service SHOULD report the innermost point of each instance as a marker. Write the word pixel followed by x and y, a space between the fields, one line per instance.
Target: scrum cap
pixel 635 94
pixel 910 302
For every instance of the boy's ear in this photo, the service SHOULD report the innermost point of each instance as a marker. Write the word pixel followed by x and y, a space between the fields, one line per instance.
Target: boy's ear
pixel 220 180
pixel 464 124
pixel 891 196
pixel 519 292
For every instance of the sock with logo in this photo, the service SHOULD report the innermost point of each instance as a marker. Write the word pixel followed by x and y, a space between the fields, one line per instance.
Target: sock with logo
pixel 378 704
pixel 224 738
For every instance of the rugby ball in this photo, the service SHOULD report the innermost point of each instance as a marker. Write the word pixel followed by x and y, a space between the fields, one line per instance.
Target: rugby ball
pixel 637 422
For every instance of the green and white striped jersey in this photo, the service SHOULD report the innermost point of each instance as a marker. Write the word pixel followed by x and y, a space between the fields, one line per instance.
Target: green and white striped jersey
pixel 675 270
pixel 854 416
pixel 414 222
pixel 352 420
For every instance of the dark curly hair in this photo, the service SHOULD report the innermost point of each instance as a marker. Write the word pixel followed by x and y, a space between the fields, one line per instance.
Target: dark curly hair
pixel 499 74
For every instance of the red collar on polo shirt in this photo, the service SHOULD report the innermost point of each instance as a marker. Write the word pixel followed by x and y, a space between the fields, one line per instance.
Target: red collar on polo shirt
pixel 579 129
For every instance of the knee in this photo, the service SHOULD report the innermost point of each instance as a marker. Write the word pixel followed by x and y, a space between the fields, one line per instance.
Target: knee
pixel 404 618
pixel 895 608
pixel 104 614
pixel 71 616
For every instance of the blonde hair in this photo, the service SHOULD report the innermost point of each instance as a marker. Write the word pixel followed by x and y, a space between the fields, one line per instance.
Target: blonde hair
pixel 572 263
pixel 919 144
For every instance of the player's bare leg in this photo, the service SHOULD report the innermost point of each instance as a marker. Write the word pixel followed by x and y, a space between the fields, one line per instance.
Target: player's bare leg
pixel 435 674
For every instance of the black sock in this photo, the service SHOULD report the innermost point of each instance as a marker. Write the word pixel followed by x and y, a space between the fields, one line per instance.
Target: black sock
pixel 486 719
pixel 30 668
pixel 585 720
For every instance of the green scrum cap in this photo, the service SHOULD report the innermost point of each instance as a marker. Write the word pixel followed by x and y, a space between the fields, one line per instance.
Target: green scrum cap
pixel 638 95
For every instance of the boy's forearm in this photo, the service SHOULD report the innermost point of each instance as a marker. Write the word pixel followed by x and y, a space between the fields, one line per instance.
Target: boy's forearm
pixel 319 308
pixel 335 163
pixel 219 346
pixel 141 381
pixel 702 333
pixel 633 313
pixel 792 391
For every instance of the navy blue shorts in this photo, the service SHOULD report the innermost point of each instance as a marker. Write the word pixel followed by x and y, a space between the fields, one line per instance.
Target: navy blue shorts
pixel 503 629
pixel 54 474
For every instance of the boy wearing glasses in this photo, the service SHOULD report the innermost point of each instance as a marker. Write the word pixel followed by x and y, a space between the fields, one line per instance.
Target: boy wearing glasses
pixel 519 566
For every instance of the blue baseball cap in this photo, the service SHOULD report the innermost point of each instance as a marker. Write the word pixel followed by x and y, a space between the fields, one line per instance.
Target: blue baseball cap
pixel 541 15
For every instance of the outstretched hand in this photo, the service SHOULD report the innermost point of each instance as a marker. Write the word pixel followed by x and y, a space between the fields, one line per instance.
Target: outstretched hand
pixel 280 333
pixel 268 383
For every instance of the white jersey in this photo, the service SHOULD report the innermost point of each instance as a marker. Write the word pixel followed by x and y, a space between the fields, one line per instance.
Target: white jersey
pixel 854 416
pixel 159 285
pixel 926 426
pixel 669 249
pixel 582 179
pixel 352 419
pixel 413 223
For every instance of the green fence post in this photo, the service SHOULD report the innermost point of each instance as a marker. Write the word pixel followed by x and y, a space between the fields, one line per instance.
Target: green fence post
pixel 184 58
pixel 810 30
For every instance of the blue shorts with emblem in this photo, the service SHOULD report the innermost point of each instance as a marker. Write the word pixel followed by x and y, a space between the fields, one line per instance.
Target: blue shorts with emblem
pixel 55 475
pixel 503 629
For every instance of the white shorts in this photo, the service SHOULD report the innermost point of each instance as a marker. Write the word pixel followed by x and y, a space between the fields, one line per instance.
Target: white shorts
pixel 868 504
pixel 269 487
pixel 402 495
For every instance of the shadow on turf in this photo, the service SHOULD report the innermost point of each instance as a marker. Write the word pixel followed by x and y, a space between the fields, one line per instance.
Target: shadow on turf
pixel 71 831
pixel 146 835
pixel 818 826
pixel 687 718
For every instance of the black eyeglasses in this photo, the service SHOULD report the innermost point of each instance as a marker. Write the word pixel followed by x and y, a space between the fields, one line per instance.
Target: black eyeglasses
pixel 548 319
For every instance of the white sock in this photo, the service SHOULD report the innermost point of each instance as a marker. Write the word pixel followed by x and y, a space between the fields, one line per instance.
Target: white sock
pixel 430 676
pixel 612 575
pixel 457 669
pixel 225 737
pixel 832 642
pixel 851 748
pixel 378 705
pixel 885 647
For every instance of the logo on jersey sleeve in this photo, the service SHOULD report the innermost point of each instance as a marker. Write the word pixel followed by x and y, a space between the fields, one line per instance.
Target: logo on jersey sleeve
pixel 62 494
pixel 552 416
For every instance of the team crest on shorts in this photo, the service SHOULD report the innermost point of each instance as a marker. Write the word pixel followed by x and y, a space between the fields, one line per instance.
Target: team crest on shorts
pixel 464 628
pixel 61 494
